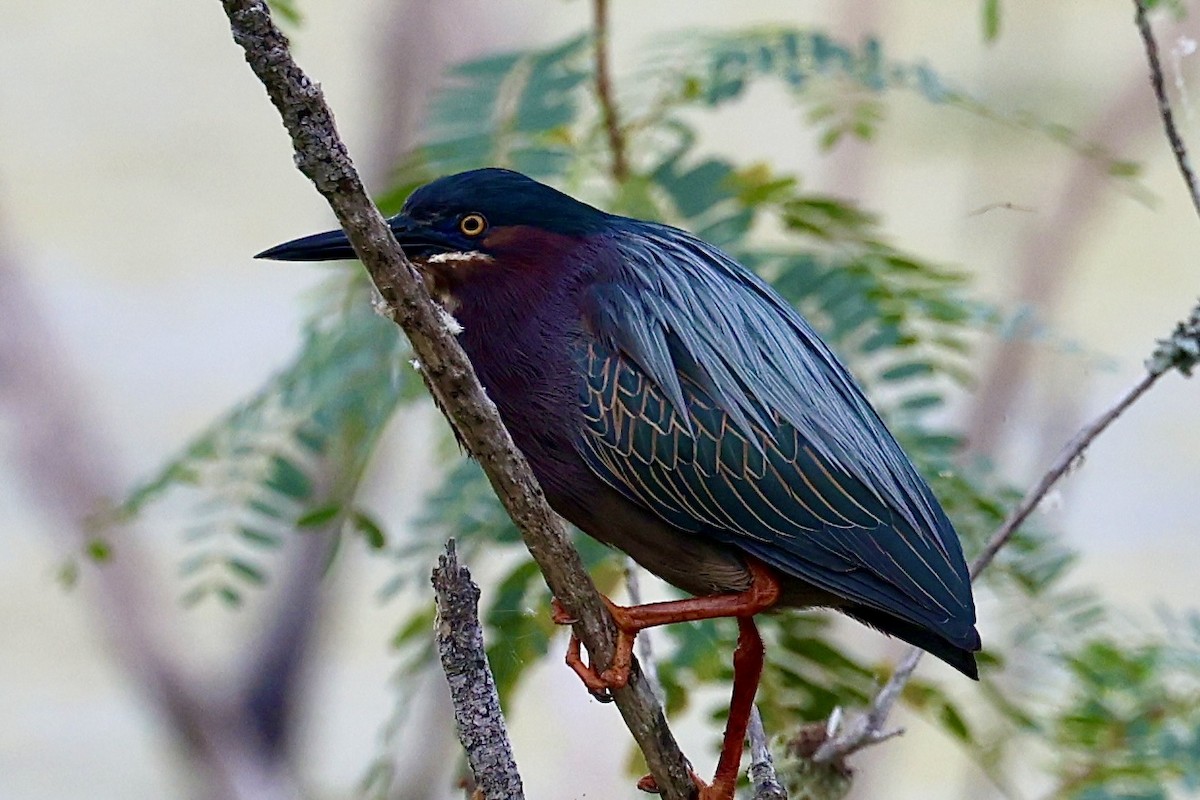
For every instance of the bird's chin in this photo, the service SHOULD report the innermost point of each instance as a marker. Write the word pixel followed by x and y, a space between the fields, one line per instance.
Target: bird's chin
pixel 444 272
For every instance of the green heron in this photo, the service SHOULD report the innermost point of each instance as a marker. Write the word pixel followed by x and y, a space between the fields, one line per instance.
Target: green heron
pixel 673 406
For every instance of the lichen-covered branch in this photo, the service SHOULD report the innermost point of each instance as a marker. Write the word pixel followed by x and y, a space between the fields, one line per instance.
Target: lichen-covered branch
pixel 322 157
pixel 477 715
pixel 761 772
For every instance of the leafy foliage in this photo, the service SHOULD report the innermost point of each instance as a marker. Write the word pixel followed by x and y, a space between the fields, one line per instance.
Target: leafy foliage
pixel 288 11
pixel 289 457
pixel 839 83
pixel 1130 725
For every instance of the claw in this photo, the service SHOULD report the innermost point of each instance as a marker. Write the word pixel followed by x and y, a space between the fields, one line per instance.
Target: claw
pixel 559 615
pixel 762 594
pixel 649 785
pixel 600 684
pixel 595 682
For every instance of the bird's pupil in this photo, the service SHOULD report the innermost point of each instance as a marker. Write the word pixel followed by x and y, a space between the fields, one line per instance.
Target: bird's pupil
pixel 472 224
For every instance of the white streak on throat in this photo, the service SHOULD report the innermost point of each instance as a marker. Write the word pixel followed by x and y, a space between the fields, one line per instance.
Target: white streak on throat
pixel 455 257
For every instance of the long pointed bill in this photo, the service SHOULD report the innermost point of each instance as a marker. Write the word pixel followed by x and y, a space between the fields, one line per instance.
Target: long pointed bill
pixel 328 246
pixel 416 240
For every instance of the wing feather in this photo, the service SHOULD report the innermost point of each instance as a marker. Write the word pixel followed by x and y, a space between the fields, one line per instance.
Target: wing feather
pixel 709 401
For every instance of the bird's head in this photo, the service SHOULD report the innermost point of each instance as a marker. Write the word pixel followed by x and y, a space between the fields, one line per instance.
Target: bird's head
pixel 458 226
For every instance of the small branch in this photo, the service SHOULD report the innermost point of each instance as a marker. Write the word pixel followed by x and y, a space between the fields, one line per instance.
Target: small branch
pixel 322 157
pixel 1061 466
pixel 761 772
pixel 1180 351
pixel 1164 105
pixel 644 644
pixel 867 729
pixel 604 92
pixel 477 714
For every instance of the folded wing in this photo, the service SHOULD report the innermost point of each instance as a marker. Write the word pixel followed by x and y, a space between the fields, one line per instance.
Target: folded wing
pixel 709 401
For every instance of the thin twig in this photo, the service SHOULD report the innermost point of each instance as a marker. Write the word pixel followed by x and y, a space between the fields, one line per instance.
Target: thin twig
pixel 644 644
pixel 1061 466
pixel 322 157
pixel 477 714
pixel 604 92
pixel 1180 351
pixel 763 782
pixel 867 729
pixel 1164 104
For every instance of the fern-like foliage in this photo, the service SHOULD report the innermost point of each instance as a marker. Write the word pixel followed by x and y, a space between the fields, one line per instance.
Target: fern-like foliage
pixel 291 455
pixel 840 85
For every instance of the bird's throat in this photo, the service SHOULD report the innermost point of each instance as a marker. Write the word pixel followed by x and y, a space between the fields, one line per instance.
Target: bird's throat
pixel 445 272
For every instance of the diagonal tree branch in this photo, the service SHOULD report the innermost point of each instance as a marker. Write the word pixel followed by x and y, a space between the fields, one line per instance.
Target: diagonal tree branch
pixel 322 157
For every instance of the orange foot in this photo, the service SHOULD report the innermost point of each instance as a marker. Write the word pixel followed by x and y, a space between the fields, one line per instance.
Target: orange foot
pixel 601 683
pixel 762 594
pixel 706 791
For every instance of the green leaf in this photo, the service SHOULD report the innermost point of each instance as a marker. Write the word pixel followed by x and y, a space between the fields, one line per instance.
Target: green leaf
pixel 288 11
pixel 260 538
pixel 418 625
pixel 249 572
pixel 371 531
pixel 319 516
pixel 991 20
pixel 99 550
pixel 230 596
pixel 952 721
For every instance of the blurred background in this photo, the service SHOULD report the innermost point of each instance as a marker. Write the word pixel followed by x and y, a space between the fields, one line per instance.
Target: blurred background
pixel 142 167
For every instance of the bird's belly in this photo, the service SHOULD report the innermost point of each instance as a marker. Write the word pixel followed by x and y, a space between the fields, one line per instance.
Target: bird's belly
pixel 694 564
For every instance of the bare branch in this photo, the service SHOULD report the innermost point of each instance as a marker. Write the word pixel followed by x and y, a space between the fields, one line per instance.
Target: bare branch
pixel 761 772
pixel 644 644
pixel 477 714
pixel 1061 466
pixel 1164 104
pixel 867 729
pixel 321 155
pixel 604 92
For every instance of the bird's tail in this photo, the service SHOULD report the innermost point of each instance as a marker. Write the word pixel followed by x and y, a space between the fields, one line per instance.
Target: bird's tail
pixel 961 656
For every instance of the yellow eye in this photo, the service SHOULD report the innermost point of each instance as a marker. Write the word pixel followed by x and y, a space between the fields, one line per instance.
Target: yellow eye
pixel 472 224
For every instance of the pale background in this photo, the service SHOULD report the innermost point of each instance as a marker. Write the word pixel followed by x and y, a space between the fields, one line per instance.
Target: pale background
pixel 141 166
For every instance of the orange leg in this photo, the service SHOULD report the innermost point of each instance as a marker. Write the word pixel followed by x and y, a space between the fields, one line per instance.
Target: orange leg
pixel 762 594
pixel 747 670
